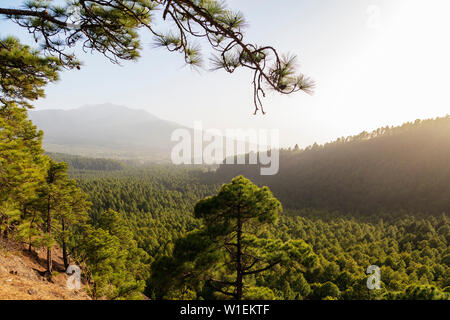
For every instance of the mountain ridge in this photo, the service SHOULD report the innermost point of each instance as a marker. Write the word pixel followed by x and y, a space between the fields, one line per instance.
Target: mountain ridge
pixel 390 169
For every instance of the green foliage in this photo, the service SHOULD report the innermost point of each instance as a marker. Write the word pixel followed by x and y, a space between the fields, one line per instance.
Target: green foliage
pixel 259 293
pixel 24 72
pixel 157 204
pixel 151 230
pixel 115 265
pixel 41 205
pixel 348 244
pixel 54 200
pixel 325 291
pixel 21 162
pixel 424 292
pixel 88 164
pixel 222 258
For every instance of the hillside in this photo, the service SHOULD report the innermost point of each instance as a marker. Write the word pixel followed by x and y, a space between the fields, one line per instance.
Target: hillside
pixel 151 209
pixel 84 163
pixel 401 168
pixel 390 169
pixel 107 131
pixel 22 276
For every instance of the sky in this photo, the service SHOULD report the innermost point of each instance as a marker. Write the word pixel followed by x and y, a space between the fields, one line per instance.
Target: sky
pixel 375 62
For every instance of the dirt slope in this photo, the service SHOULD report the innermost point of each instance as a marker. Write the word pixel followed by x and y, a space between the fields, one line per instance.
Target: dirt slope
pixel 22 276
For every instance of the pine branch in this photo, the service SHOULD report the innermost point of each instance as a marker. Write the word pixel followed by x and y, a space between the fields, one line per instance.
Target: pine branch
pixel 270 266
pixel 29 13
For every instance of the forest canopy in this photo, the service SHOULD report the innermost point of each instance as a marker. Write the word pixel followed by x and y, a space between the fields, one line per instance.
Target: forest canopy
pixel 389 169
pixel 167 232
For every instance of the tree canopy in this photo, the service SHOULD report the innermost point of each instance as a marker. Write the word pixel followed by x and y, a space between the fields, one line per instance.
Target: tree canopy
pixel 389 169
pixel 229 249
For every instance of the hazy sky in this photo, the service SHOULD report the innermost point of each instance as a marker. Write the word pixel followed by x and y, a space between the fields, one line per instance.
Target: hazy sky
pixel 376 63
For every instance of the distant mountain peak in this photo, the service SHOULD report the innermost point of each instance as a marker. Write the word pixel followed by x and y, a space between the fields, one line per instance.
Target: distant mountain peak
pixel 109 109
pixel 106 107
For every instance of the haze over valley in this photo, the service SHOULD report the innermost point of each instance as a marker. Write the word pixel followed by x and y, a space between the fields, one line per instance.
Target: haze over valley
pixel 106 131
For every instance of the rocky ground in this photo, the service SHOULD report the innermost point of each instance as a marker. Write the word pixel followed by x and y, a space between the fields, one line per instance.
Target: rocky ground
pixel 22 276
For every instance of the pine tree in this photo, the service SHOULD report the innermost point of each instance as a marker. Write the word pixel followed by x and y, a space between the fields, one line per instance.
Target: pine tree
pixel 239 208
pixel 24 73
pixel 229 248
pixel 21 163
pixel 75 213
pixel 31 222
pixel 114 264
pixel 54 200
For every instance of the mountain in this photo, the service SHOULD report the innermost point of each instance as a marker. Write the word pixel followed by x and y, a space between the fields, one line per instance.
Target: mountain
pixel 22 275
pixel 390 169
pixel 106 130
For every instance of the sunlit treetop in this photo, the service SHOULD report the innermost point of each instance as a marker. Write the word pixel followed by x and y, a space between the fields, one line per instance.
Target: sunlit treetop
pixel 112 27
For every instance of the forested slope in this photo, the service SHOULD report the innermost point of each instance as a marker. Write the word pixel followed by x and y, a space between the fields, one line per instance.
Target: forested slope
pixel 410 248
pixel 156 201
pixel 392 168
pixel 137 217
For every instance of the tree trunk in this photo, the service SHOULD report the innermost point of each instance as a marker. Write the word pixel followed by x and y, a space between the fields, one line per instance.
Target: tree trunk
pixel 49 233
pixel 94 291
pixel 64 245
pixel 239 271
pixel 29 237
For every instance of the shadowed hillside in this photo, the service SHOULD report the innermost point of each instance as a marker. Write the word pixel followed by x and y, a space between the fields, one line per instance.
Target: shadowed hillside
pixel 406 167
